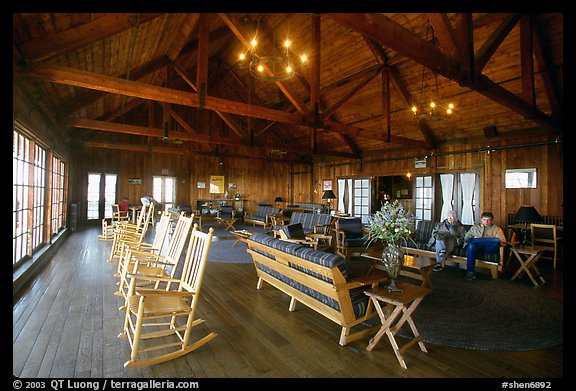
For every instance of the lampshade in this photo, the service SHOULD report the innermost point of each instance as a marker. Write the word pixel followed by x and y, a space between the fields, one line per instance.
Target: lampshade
pixel 278 199
pixel 328 195
pixel 527 214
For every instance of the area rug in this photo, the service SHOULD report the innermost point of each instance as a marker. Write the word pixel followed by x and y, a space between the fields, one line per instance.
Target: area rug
pixel 487 314
pixel 221 249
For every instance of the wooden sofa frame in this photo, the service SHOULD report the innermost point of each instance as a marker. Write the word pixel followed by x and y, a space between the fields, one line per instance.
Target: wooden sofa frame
pixel 493 267
pixel 263 212
pixel 338 290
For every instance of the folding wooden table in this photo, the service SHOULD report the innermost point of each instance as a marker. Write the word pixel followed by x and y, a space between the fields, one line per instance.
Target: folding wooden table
pixel 402 303
pixel 532 255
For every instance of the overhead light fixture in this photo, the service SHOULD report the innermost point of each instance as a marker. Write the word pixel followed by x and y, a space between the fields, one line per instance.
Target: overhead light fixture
pixel 431 108
pixel 270 68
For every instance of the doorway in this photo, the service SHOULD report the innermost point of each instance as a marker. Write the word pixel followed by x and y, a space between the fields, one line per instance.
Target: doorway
pixel 100 195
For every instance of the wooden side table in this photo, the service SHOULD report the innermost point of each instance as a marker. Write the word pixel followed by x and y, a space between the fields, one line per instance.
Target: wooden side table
pixel 403 303
pixel 532 255
pixel 416 267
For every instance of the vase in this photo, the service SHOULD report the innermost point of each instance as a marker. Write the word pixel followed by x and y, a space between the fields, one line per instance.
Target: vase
pixel 393 259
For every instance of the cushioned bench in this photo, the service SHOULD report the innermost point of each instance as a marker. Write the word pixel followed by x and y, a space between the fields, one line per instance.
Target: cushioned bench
pixel 313 222
pixel 261 216
pixel 419 246
pixel 317 279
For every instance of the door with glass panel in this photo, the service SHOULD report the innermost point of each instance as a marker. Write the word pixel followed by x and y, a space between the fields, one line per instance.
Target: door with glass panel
pixel 164 190
pixel 100 195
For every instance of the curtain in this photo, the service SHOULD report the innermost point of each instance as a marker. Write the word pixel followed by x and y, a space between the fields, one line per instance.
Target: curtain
pixel 467 182
pixel 447 183
pixel 345 195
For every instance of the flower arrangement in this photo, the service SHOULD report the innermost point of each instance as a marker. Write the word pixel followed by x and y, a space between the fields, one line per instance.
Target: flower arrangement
pixel 392 223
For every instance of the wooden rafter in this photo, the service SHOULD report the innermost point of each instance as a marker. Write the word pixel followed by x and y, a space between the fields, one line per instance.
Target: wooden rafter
pixel 390 34
pixel 83 35
pixel 186 136
pixel 235 26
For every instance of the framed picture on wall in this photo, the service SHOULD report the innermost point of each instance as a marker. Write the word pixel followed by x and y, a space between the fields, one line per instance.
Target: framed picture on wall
pixel 327 184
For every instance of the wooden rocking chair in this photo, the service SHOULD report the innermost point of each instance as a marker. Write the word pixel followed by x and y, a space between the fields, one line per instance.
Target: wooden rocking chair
pixel 130 232
pixel 147 307
pixel 154 248
pixel 146 265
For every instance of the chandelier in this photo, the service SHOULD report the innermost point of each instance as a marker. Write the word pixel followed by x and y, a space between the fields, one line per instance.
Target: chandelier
pixel 434 108
pixel 271 68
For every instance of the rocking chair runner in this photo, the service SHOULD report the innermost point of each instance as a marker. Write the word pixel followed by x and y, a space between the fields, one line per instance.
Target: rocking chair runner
pixel 156 304
pixel 144 264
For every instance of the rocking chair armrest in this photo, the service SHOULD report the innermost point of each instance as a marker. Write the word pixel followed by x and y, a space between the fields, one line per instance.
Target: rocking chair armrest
pixel 159 293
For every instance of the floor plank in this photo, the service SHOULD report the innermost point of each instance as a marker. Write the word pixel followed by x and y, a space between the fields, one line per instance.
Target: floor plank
pixel 66 325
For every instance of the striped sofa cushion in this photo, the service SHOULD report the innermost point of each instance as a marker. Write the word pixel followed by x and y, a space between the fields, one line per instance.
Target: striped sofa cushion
pixel 359 300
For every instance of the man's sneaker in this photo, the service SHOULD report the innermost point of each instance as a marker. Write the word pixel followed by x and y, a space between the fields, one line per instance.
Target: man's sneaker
pixel 470 276
pixel 437 267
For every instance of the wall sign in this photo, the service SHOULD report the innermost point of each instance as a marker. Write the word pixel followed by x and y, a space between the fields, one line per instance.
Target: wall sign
pixel 135 181
pixel 216 184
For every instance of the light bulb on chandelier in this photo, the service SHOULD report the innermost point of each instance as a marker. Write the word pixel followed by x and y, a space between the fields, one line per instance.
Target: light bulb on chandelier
pixel 271 68
pixel 435 109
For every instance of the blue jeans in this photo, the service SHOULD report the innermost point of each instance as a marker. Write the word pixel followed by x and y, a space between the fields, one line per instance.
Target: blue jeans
pixel 440 246
pixel 476 245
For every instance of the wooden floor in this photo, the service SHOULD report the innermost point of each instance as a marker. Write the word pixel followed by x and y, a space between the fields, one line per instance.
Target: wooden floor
pixel 65 325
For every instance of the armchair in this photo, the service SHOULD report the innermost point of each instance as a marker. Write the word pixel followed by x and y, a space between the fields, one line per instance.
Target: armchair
pixel 350 237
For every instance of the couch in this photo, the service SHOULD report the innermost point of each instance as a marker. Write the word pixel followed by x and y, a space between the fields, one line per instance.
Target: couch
pixel 418 245
pixel 317 279
pixel 261 216
pixel 320 223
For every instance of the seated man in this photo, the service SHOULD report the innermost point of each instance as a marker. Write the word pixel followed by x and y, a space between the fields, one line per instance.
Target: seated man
pixel 482 237
pixel 446 235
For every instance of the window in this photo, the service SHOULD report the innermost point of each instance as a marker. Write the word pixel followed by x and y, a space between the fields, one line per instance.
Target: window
pixel 459 192
pixel 59 197
pixel 164 190
pixel 423 199
pixel 524 178
pixel 28 196
pixel 356 190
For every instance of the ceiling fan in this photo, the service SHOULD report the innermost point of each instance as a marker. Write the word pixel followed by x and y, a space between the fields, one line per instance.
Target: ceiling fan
pixel 170 140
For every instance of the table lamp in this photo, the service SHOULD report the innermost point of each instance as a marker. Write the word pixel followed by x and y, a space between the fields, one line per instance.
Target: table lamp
pixel 278 200
pixel 329 195
pixel 526 214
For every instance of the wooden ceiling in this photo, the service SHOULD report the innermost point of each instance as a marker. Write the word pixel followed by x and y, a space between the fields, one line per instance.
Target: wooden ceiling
pixel 121 80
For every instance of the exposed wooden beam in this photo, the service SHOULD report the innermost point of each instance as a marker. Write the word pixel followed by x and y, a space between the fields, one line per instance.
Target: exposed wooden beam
pixel 330 110
pixel 152 132
pixel 183 36
pixel 85 79
pixel 547 70
pixel 202 67
pixel 185 136
pixel 394 36
pixel 492 43
pixel 236 128
pixel 83 35
pixel 390 34
pixel 527 60
pixel 396 80
pixel 446 35
pixel 137 147
pixel 235 26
